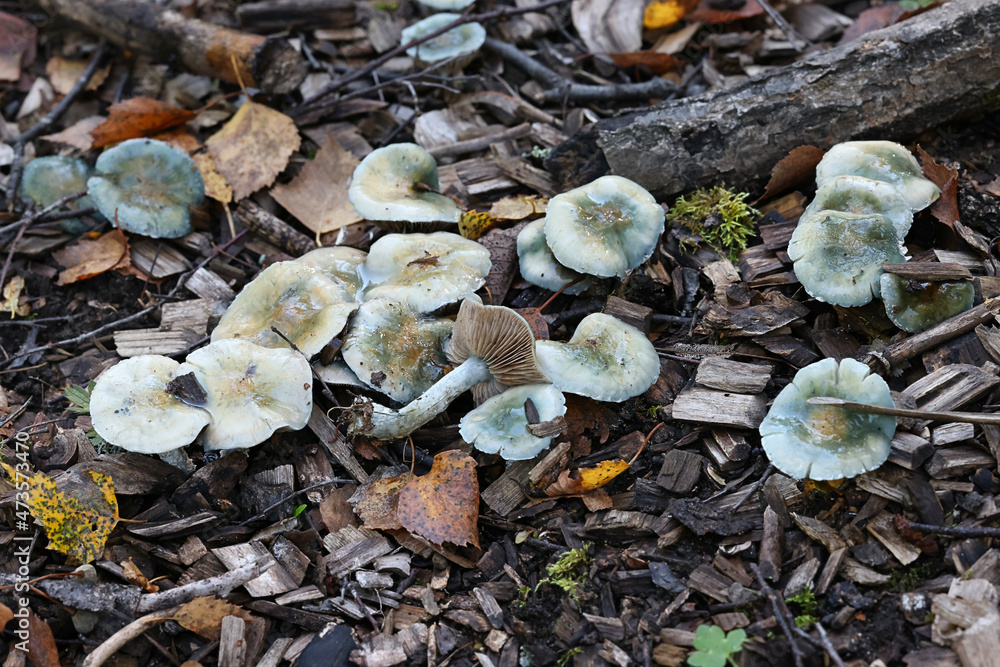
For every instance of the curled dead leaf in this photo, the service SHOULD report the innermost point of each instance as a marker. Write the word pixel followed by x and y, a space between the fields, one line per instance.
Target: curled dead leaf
pixel 138 117
pixel 86 258
pixel 204 616
pixel 798 166
pixel 443 505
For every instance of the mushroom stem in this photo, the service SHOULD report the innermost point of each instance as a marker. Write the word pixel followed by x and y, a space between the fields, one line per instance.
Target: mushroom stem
pixel 387 424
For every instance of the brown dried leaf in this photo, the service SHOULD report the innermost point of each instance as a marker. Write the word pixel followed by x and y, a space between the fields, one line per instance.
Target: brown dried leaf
pixel 17 46
pixel 42 649
pixel 317 197
pixel 585 480
pixel 12 299
pixel 135 576
pixel 799 165
pixel 86 259
pixel 519 207
pixel 334 510
pixel 380 501
pixel 204 616
pixel 945 209
pixel 6 615
pixel 77 135
pixel 657 63
pixel 539 325
pixel 705 14
pixel 63 74
pixel 874 18
pixel 138 117
pixel 253 147
pixel 585 418
pixel 179 138
pixel 443 505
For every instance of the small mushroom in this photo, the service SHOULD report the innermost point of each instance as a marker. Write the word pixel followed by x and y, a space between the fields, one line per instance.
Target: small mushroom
pixel 500 425
pixel 447 5
pixel 538 264
pixel 914 306
pixel 147 186
pixel 604 228
pixel 460 44
pixel 881 161
pixel 132 408
pixel 493 347
pixel 395 349
pixel 340 264
pixel 296 299
pixel 425 270
pixel 396 187
pixel 862 196
pixel 48 179
pixel 605 359
pixel 838 256
pixel 250 391
pixel 825 442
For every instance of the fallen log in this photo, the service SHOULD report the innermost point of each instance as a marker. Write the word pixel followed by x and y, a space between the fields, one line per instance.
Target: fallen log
pixel 889 84
pixel 273 65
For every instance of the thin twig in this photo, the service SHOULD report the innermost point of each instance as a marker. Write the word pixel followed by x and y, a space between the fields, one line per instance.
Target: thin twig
pixel 791 34
pixel 258 515
pixel 17 413
pixel 825 641
pixel 324 387
pixel 38 215
pixel 753 488
pixel 778 606
pixel 956 531
pixel 17 165
pixel 926 415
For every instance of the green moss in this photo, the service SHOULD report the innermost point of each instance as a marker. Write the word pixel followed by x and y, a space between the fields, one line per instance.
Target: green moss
pixel 907 580
pixel 718 217
pixel 807 605
pixel 569 572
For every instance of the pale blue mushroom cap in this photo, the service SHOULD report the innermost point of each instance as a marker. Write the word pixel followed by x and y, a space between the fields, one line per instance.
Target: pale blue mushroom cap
pixel 881 161
pixel 147 186
pixel 460 42
pixel 862 196
pixel 500 425
pixel 824 442
pixel 914 306
pixel 540 267
pixel 48 179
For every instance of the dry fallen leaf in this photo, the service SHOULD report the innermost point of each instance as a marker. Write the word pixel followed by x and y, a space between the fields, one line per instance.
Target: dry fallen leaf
pixel 873 18
pixel 216 186
pixel 584 480
pixel 706 14
pixel 609 26
pixel 664 13
pixel 799 165
pixel 6 615
pixel 473 224
pixel 63 74
pixel 317 197
pixel 11 297
pixel 135 576
pixel 77 135
pixel 138 117
pixel 380 501
pixel 42 650
pixel 443 505
pixel 945 209
pixel 657 63
pixel 179 138
pixel 539 325
pixel 253 148
pixel 86 259
pixel 519 207
pixel 17 46
pixel 502 244
pixel 204 616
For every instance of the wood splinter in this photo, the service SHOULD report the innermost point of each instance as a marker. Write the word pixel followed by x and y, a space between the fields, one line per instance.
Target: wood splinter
pixel 930 415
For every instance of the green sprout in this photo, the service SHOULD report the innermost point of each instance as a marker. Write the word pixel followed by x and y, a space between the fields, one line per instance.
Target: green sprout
pixel 569 572
pixel 719 217
pixel 299 510
pixel 715 647
pixel 567 657
pixel 79 398
pixel 807 605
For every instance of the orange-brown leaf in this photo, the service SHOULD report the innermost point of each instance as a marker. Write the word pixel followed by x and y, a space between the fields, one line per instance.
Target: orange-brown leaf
pixel 204 616
pixel 42 649
pixel 657 63
pixel 138 117
pixel 87 258
pixel 585 480
pixel 443 505
pixel 705 14
pixel 539 325
pixel 380 501
pixel 799 165
pixel 17 46
pixel 5 616
pixel 132 572
pixel 945 209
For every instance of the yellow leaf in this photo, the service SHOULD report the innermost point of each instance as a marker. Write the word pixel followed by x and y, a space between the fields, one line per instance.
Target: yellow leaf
pixel 253 147
pixel 11 296
pixel 473 224
pixel 604 472
pixel 216 186
pixel 663 13
pixel 78 522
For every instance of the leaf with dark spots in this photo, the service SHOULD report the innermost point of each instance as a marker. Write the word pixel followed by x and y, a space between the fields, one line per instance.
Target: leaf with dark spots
pixel 443 505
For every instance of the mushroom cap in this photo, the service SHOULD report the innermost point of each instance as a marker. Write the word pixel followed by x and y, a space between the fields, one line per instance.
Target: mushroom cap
pixel 48 179
pixel 502 338
pixel 425 270
pixel 251 391
pixel 149 185
pixel 605 359
pixel 538 264
pixel 132 409
pixel 914 306
pixel 399 182
pixel 450 5
pixel 389 337
pixel 298 300
pixel 863 196
pixel 838 256
pixel 463 40
pixel 881 161
pixel 824 442
pixel 604 228
pixel 340 264
pixel 501 424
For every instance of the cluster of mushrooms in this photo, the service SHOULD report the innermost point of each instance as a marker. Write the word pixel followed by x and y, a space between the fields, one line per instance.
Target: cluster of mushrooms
pixel 867 193
pixel 255 377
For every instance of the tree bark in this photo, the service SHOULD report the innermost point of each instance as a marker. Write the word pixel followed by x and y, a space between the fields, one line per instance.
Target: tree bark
pixel 889 84
pixel 272 65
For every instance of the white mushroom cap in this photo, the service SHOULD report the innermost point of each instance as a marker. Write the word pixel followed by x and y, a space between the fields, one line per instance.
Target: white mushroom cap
pixel 862 196
pixel 605 359
pixel 604 228
pixel 132 409
pixel 501 423
pixel 914 306
pixel 463 40
pixel 399 182
pixel 390 338
pixel 425 270
pixel 298 300
pixel 825 442
pixel 538 264
pixel 838 256
pixel 340 264
pixel 881 161
pixel 449 5
pixel 251 391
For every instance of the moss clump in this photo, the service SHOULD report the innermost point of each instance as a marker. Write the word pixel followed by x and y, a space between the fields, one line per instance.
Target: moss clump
pixel 807 605
pixel 569 572
pixel 716 216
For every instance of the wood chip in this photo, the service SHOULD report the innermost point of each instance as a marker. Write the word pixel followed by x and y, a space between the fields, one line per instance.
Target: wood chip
pixel 720 408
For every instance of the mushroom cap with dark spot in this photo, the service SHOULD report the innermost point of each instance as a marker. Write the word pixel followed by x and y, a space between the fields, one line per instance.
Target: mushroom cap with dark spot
pixel 914 306
pixel 881 161
pixel 862 196
pixel 500 424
